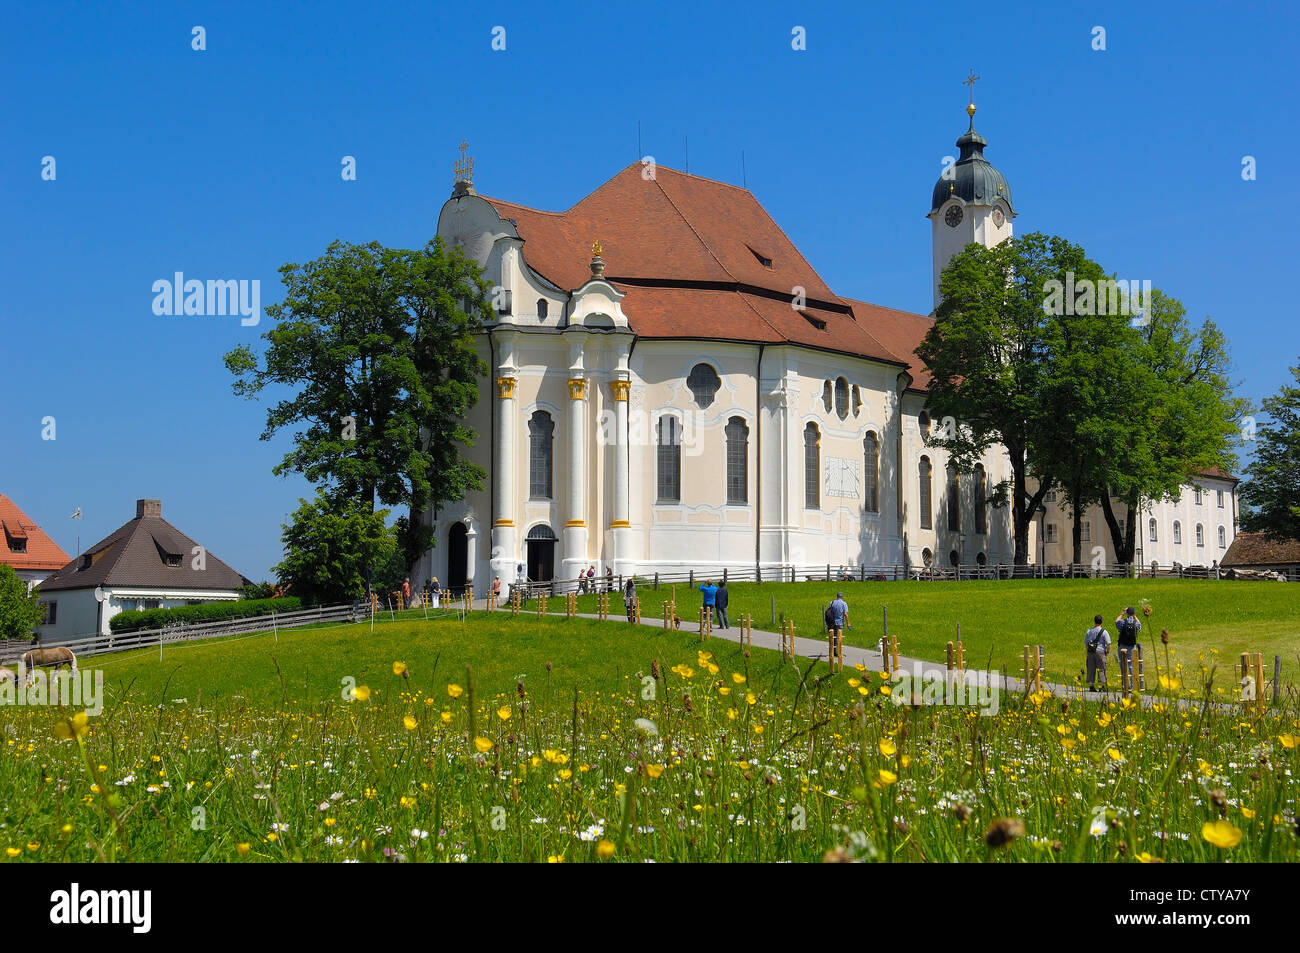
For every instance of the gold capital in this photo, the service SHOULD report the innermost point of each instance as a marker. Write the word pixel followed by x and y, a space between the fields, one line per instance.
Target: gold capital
pixel 576 523
pixel 620 389
pixel 505 387
pixel 577 388
pixel 619 524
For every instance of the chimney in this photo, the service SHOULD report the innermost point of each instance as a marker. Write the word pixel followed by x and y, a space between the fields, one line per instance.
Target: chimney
pixel 148 508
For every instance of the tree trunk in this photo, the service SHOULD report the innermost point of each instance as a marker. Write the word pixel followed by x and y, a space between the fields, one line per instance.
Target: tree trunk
pixel 1076 494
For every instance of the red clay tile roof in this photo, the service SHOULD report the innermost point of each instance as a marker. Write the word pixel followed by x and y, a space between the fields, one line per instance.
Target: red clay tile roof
pixel 133 555
pixel 901 332
pixel 1219 473
pixel 1256 549
pixel 42 552
pixel 697 258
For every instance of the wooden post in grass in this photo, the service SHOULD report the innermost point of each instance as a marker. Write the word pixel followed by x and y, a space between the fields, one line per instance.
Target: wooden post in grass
pixel 667 620
pixel 571 605
pixel 1277 679
pixel 541 605
pixel 961 652
pixel 746 629
pixel 1028 672
pixel 469 600
pixel 893 651
pixel 789 625
pixel 704 624
pixel 1038 672
pixel 602 606
pixel 1259 681
pixel 636 610
pixel 949 661
pixel 514 601
pixel 1141 674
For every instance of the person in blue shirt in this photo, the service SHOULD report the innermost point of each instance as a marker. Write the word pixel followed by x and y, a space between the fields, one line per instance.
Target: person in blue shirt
pixel 837 614
pixel 710 593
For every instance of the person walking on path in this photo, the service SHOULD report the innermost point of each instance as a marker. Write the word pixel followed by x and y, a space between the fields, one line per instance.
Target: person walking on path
pixel 609 579
pixel 629 598
pixel 406 593
pixel 837 617
pixel 1127 627
pixel 496 591
pixel 710 593
pixel 720 601
pixel 1096 643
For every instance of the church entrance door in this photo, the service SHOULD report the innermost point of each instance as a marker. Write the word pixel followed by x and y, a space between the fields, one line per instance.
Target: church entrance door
pixel 457 557
pixel 541 554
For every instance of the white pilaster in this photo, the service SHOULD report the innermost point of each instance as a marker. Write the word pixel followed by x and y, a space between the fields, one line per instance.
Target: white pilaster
pixel 575 527
pixel 503 525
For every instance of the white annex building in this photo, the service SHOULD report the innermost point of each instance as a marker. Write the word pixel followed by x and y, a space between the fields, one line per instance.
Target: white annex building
pixel 673 386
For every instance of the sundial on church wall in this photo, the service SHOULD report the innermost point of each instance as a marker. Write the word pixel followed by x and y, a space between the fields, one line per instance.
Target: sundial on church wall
pixel 842 478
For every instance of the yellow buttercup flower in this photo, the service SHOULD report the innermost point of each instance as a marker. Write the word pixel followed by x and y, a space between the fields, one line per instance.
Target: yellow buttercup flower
pixel 361 693
pixel 1288 740
pixel 242 848
pixel 605 850
pixel 446 717
pixel 738 678
pixel 1248 814
pixel 905 760
pixel 399 668
pixel 74 727
pixel 483 744
pixel 454 690
pixel 410 722
pixel 1115 754
pixel 888 748
pixel 887 776
pixel 1221 834
pixel 504 712
pixel 749 697
pixel 654 770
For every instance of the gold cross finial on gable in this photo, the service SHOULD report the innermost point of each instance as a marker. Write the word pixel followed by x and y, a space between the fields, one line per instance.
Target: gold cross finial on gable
pixel 464 168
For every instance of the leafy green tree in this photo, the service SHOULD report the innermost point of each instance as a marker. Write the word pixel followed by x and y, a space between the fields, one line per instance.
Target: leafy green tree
pixel 989 354
pixel 1174 416
pixel 20 611
pixel 332 548
pixel 376 349
pixel 1273 487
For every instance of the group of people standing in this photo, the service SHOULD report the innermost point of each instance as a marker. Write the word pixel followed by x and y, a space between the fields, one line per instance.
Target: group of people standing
pixel 1097 644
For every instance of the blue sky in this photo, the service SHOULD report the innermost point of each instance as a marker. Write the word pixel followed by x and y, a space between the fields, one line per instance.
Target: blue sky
pixel 225 164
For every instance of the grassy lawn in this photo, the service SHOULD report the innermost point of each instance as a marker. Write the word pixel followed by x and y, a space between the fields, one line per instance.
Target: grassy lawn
pixel 247 750
pixel 999 618
pixel 309 665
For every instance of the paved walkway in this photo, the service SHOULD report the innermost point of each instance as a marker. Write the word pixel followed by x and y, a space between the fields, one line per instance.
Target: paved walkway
pixel 817 649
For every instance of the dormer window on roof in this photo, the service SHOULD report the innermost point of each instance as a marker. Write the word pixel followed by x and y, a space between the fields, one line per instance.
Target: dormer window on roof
pixel 763 260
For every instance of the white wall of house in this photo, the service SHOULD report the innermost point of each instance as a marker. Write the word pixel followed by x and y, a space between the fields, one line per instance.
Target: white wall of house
pixel 80 614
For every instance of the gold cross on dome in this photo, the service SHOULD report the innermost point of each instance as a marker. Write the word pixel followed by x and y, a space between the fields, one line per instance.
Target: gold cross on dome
pixel 464 168
pixel 970 81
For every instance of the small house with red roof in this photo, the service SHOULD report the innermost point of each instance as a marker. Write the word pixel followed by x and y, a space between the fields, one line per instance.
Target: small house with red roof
pixel 26 547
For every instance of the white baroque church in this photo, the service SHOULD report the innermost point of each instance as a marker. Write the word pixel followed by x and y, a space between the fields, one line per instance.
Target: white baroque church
pixel 673 386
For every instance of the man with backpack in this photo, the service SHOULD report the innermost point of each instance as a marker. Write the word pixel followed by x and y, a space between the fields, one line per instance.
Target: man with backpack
pixel 1127 627
pixel 720 601
pixel 1097 643
pixel 837 617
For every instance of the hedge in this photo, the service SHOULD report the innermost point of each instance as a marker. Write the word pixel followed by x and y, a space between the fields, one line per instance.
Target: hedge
pixel 133 619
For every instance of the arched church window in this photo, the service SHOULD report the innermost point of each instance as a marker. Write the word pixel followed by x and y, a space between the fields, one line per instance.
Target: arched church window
pixel 954 499
pixel 543 308
pixel 1178 533
pixel 1153 530
pixel 857 400
pixel 704 383
pixel 1200 535
pixel 669 454
pixel 1223 538
pixel 924 474
pixel 927 557
pixel 923 423
pixel 841 398
pixel 871 471
pixel 541 430
pixel 826 396
pixel 812 467
pixel 737 461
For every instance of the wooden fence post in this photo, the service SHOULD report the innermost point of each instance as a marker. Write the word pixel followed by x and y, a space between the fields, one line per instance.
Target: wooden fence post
pixel 1259 681
pixel 1028 672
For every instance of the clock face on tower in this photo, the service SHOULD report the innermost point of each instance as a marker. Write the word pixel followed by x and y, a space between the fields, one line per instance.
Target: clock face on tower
pixel 953 216
pixel 998 217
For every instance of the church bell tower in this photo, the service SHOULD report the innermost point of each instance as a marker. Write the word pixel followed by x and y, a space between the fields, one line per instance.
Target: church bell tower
pixel 971 200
